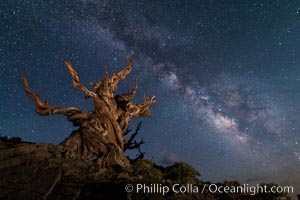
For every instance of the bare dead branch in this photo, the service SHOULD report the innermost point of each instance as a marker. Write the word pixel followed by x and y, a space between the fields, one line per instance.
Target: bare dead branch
pixel 135 144
pixel 135 133
pixel 76 82
pixel 121 75
pixel 141 109
pixel 42 108
pixel 140 156
pixel 127 132
pixel 130 95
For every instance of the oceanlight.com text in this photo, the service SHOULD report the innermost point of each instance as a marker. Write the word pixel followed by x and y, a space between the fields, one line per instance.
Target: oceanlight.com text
pixel 158 188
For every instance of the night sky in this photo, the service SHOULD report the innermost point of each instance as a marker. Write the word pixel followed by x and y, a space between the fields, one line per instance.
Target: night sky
pixel 226 75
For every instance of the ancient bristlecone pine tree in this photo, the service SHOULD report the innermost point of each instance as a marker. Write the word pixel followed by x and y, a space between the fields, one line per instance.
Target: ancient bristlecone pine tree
pixel 101 133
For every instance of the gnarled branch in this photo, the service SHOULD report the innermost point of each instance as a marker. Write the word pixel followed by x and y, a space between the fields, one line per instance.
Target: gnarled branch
pixel 76 82
pixel 42 108
pixel 121 75
pixel 130 94
pixel 132 137
pixel 133 144
pixel 141 109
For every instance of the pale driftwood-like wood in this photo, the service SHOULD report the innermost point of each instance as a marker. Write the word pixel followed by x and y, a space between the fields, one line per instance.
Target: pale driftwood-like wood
pixel 101 133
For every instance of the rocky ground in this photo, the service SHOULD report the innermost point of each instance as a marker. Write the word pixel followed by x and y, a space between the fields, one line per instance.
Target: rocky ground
pixel 37 171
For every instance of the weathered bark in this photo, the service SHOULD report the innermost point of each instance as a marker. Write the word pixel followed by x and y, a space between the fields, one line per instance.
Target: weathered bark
pixel 101 133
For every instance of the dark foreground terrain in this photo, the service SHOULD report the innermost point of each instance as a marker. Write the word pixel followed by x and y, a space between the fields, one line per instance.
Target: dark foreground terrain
pixel 37 171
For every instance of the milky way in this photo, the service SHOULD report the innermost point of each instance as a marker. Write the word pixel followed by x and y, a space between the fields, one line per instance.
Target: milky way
pixel 226 76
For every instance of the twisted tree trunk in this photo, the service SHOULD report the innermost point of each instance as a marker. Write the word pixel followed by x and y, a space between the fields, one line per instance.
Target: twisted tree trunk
pixel 101 131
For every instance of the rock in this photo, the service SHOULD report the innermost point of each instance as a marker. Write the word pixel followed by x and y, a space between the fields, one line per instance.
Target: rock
pixel 37 171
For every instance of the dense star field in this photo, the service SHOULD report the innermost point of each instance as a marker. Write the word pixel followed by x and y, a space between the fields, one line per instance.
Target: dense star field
pixel 226 76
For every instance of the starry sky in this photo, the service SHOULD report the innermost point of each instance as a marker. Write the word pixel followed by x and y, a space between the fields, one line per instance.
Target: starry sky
pixel 226 75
